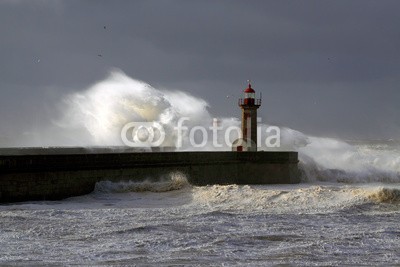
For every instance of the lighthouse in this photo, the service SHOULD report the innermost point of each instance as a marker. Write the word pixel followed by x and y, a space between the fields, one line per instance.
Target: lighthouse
pixel 249 105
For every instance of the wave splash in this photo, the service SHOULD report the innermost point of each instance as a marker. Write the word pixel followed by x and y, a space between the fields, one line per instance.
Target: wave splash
pixel 326 159
pixel 175 181
pixel 385 195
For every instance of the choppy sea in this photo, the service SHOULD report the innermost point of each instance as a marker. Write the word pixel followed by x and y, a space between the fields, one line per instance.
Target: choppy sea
pixel 339 215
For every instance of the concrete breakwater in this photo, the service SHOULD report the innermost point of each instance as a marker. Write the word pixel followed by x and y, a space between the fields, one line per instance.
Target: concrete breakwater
pixel 57 176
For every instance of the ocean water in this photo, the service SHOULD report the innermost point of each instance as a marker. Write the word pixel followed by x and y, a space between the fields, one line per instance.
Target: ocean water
pixel 346 212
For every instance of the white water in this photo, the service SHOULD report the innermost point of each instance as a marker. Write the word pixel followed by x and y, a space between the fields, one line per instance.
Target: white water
pixel 346 211
pixel 144 223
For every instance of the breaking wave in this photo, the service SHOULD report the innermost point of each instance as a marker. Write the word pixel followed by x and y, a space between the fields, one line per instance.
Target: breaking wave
pixel 304 199
pixel 385 195
pixel 176 181
pixel 325 159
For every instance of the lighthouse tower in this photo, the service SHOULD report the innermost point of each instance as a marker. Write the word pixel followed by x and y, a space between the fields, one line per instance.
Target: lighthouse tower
pixel 249 105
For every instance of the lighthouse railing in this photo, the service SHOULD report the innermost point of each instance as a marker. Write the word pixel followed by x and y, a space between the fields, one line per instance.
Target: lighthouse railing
pixel 257 102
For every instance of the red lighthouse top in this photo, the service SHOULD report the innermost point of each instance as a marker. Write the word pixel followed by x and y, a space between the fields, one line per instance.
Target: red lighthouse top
pixel 249 89
pixel 249 98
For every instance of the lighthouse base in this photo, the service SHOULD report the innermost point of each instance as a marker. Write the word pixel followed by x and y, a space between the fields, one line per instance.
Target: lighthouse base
pixel 240 145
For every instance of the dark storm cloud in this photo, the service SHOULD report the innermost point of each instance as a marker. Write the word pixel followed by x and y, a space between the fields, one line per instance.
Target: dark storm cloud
pixel 324 67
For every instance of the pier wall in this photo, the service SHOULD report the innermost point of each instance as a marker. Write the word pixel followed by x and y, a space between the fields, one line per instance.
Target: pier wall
pixel 51 177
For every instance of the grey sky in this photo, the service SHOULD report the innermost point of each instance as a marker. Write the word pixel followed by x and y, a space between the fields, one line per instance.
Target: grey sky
pixel 324 67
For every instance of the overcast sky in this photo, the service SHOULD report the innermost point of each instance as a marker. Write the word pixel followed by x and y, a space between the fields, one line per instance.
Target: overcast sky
pixel 326 68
